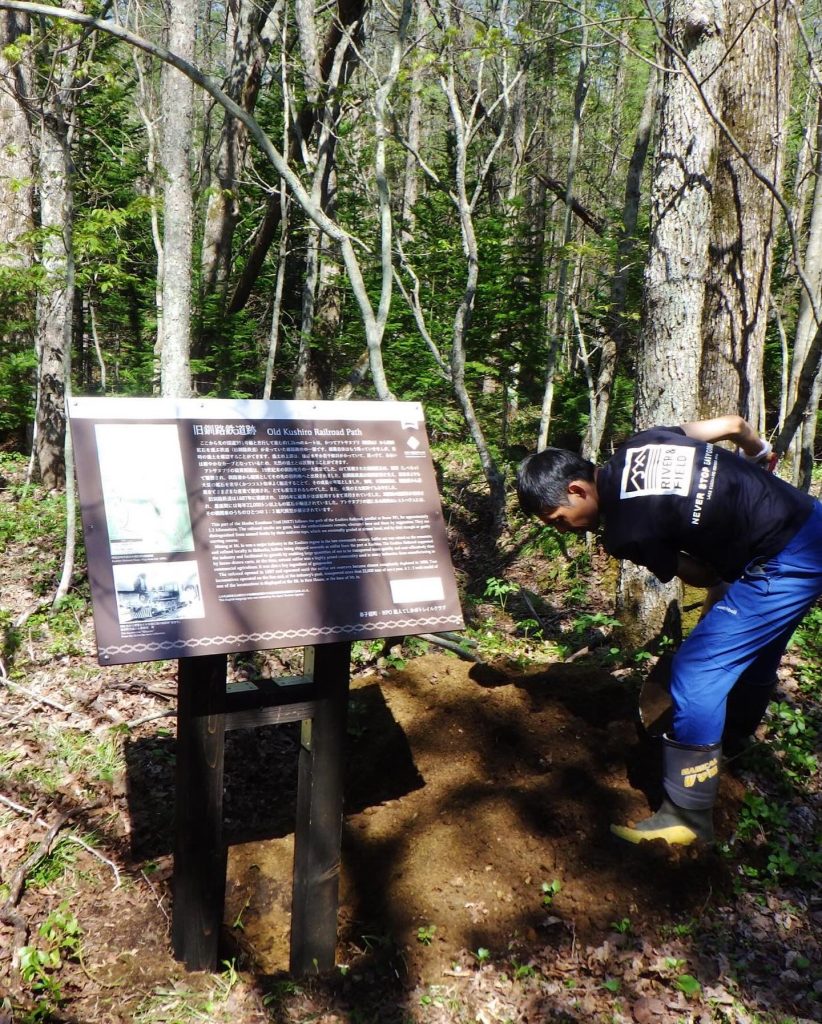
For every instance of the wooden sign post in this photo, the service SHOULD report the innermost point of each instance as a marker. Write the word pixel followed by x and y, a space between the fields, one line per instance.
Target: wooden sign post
pixel 199 849
pixel 318 832
pixel 214 527
pixel 203 716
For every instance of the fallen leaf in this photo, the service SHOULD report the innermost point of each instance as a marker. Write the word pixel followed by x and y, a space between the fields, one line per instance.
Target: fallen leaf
pixel 646 1010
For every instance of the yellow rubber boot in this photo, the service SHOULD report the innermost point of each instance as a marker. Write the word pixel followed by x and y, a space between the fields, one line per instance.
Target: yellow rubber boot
pixel 677 826
pixel 691 781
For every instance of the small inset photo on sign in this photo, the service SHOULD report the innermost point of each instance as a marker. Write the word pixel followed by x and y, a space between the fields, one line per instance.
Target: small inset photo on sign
pixel 144 489
pixel 161 591
pixel 413 591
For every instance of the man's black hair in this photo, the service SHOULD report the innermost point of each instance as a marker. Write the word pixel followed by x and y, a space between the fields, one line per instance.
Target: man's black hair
pixel 543 478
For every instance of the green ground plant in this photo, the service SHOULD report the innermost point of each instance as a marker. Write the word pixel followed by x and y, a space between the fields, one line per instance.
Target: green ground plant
pixel 499 590
pixel 549 890
pixel 59 940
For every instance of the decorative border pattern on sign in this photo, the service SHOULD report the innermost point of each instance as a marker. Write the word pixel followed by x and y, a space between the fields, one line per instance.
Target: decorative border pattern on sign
pixel 170 646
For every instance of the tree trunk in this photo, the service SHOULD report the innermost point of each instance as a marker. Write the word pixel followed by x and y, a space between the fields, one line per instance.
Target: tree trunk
pixel 670 341
pixel 613 343
pixel 312 379
pixel 754 97
pixel 178 214
pixel 16 176
pixel 349 15
pixel 55 300
pixel 246 58
pixel 558 322
pixel 806 325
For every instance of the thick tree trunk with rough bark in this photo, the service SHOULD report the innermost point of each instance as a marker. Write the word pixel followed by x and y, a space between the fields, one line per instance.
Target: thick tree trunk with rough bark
pixel 754 105
pixel 670 341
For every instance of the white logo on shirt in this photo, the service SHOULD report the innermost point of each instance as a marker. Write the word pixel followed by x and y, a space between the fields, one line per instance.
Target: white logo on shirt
pixel 725 608
pixel 657 469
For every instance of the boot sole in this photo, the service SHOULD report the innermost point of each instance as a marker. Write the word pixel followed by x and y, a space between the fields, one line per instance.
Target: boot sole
pixel 674 835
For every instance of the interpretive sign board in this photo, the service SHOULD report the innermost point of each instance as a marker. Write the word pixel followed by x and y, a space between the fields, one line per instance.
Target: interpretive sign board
pixel 214 526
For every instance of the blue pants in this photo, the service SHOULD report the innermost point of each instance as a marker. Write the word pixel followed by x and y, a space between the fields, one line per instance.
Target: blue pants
pixel 739 643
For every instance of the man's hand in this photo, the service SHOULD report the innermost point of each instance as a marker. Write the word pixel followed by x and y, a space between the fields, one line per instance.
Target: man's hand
pixel 766 457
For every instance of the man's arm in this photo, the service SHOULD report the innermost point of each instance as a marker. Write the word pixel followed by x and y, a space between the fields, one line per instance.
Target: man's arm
pixel 727 428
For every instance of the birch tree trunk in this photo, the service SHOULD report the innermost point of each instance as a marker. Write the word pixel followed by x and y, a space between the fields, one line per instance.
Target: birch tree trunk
pixel 464 128
pixel 177 122
pixel 16 178
pixel 670 339
pixel 754 98
pixel 55 299
pixel 410 191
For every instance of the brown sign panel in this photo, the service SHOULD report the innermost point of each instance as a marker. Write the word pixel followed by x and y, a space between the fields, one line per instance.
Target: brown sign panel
pixel 214 526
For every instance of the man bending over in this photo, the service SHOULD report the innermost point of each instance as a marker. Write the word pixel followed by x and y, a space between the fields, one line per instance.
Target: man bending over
pixel 673 501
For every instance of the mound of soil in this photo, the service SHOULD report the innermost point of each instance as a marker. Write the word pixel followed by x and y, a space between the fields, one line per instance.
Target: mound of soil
pixel 468 788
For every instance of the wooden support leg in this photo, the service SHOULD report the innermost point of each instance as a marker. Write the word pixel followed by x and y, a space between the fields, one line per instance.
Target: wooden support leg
pixel 199 850
pixel 318 832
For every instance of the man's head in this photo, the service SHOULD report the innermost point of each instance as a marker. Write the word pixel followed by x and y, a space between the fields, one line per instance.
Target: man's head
pixel 559 488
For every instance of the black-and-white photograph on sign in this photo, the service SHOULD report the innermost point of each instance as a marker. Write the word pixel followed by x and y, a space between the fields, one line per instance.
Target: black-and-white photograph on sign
pixel 214 526
pixel 158 590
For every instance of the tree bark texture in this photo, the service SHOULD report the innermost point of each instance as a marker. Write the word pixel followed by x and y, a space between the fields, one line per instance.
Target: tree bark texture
pixel 754 105
pixel 55 299
pixel 806 326
pixel 16 174
pixel 178 213
pixel 670 341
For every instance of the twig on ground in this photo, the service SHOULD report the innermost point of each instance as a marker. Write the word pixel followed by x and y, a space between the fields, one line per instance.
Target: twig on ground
pixel 7 722
pixel 149 718
pixel 157 896
pixel 142 688
pixel 24 617
pixel 530 605
pixel 8 912
pixel 20 809
pixel 38 697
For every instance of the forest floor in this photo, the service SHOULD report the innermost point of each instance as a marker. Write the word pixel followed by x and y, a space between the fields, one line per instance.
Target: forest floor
pixel 479 879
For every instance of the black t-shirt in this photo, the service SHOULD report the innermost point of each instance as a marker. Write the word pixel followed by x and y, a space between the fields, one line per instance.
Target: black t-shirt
pixel 663 492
